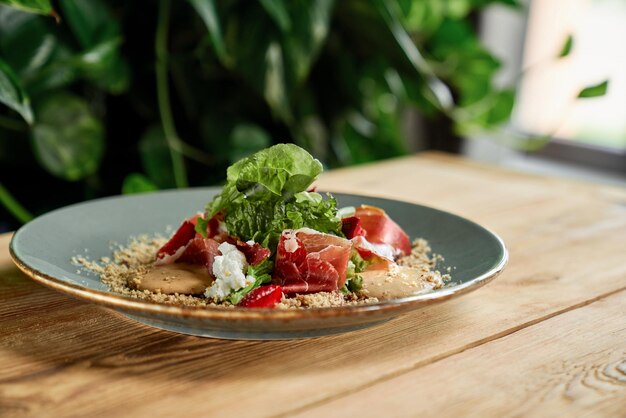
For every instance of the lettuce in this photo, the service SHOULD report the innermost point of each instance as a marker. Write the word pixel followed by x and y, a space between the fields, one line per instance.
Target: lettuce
pixel 265 194
pixel 354 282
pixel 264 220
pixel 262 275
pixel 280 171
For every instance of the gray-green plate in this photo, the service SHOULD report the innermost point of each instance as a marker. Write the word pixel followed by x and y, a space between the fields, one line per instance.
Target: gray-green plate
pixel 43 248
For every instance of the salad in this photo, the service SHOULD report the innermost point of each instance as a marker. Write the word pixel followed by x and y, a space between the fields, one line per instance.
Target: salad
pixel 269 240
pixel 268 236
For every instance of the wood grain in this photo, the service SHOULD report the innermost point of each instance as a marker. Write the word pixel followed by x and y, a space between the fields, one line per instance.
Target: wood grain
pixel 571 365
pixel 59 356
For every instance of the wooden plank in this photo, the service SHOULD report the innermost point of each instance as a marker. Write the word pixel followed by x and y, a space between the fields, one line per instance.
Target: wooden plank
pixel 566 242
pixel 571 365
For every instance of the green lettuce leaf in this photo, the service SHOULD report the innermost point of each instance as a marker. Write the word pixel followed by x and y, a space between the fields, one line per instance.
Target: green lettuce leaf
pixel 281 170
pixel 264 220
pixel 359 263
pixel 262 274
pixel 265 194
pixel 354 282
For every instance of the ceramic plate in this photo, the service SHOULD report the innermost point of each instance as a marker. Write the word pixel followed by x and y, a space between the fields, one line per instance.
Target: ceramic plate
pixel 43 248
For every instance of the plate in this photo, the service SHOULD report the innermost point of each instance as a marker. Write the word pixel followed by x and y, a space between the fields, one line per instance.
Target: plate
pixel 44 247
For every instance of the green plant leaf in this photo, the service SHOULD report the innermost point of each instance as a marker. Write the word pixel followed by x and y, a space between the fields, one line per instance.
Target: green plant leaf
pixel 491 111
pixel 138 183
pixel 12 94
pixel 104 67
pixel 276 64
pixel 26 43
pixel 14 207
pixel 274 86
pixel 567 47
pixel 155 157
pixel 596 90
pixel 311 21
pixel 501 108
pixel 513 3
pixel 247 139
pixel 277 11
pixel 208 13
pixel 258 57
pixel 31 46
pixel 463 62
pixel 68 139
pixel 423 16
pixel 42 7
pixel 90 21
pixel 438 92
pixel 99 35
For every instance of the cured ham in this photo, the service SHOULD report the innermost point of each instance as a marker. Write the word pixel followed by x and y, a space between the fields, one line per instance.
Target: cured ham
pixel 200 251
pixel 215 227
pixel 308 261
pixel 254 252
pixel 187 246
pixel 379 256
pixel 379 228
pixel 174 248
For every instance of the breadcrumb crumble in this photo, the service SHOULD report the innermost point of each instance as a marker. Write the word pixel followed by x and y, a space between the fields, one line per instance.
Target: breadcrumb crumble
pixel 128 263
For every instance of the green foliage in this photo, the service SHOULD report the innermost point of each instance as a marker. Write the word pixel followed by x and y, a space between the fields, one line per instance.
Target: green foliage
pixel 43 7
pixel 567 47
pixel 138 183
pixel 155 158
pixel 67 139
pixel 262 275
pixel 264 220
pixel 278 11
pixel 246 139
pixel 12 94
pixel 207 11
pixel 203 83
pixel 266 193
pixel 596 90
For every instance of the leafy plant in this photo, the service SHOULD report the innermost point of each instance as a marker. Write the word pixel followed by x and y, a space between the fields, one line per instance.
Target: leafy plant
pixel 95 103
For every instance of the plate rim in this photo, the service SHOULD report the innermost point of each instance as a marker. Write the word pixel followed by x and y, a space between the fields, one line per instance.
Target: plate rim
pixel 118 301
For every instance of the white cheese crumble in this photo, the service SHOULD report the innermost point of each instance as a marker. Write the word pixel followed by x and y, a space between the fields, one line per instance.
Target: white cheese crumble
pixel 228 270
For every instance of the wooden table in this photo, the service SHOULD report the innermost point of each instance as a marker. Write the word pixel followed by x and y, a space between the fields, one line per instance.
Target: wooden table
pixel 546 338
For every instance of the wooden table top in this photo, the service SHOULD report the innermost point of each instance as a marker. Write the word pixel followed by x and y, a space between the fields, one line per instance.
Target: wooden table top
pixel 546 338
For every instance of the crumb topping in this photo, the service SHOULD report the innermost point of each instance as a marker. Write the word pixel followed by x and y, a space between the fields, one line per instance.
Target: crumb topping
pixel 123 271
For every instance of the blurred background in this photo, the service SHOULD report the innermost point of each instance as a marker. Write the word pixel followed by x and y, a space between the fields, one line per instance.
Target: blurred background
pixel 102 97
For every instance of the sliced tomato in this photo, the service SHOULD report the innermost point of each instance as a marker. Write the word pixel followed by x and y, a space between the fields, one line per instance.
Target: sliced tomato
pixel 262 297
pixel 351 227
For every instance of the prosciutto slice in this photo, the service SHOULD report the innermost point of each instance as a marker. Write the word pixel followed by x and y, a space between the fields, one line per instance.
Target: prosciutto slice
pixel 379 256
pixel 200 251
pixel 379 229
pixel 308 261
pixel 187 246
pixel 174 248
pixel 254 252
